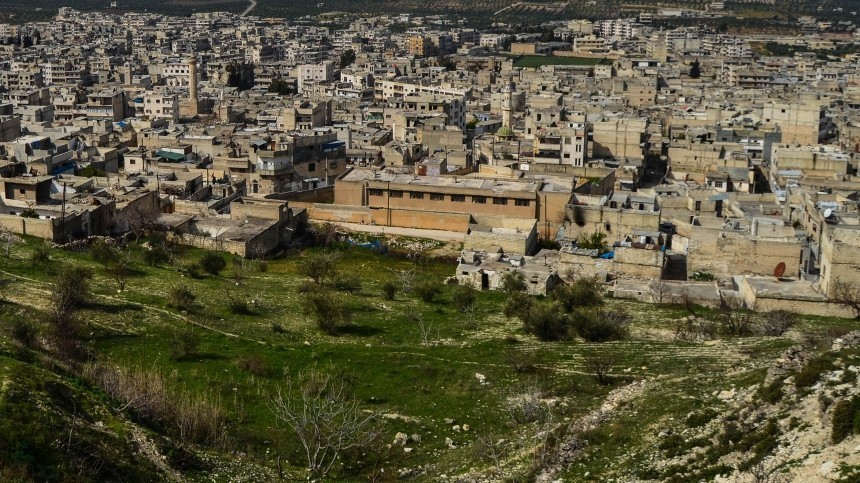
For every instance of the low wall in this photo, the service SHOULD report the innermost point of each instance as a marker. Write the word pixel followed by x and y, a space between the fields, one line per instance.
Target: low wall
pixel 30 226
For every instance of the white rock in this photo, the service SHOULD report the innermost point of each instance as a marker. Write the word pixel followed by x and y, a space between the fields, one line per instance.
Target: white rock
pixel 450 443
pixel 465 427
pixel 407 450
pixel 482 379
pixel 400 439
pixel 826 468
pixel 456 428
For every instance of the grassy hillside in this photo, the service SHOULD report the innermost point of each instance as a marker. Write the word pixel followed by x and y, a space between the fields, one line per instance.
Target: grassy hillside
pixel 427 367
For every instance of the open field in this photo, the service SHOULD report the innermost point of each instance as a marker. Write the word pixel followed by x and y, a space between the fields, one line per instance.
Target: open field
pixel 423 382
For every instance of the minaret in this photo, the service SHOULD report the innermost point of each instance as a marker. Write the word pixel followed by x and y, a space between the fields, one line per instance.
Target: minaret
pixel 507 102
pixel 192 86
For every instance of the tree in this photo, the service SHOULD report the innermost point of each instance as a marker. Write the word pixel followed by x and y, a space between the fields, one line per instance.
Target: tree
pixel 600 324
pixel 659 290
pixel 186 343
pixel 119 268
pixel 846 294
pixel 329 311
pixel 547 322
pixel 347 58
pixel 695 70
pixel 319 265
pixel 600 363
pixel 593 241
pixel 328 422
pixel 212 263
pixel 102 252
pixel 389 290
pixel 464 298
pixel 583 292
pixel 69 292
pixel 778 322
pixel 427 290
pixel 513 282
pixel 180 297
pixel 282 87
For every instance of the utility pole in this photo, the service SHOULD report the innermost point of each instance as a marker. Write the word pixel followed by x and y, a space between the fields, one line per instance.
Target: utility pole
pixel 63 214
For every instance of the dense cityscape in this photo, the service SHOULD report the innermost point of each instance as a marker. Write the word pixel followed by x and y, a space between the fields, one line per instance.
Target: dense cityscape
pixel 589 182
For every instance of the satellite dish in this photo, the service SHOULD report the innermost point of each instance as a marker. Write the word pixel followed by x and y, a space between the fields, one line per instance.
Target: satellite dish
pixel 828 212
pixel 779 271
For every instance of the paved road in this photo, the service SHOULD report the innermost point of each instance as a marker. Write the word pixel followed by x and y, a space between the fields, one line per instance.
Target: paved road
pixel 441 235
pixel 250 8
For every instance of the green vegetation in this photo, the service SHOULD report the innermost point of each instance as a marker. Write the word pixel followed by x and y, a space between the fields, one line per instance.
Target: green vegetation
pixel 170 360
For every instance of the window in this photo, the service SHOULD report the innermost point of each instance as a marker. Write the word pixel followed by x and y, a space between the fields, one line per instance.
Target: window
pixel 500 201
pixel 479 199
pixel 718 184
pixel 395 194
pixel 437 197
pixel 698 206
pixel 458 198
pixel 416 195
pixel 374 192
pixel 312 167
pixel 522 202
pixel 22 191
pixel 333 165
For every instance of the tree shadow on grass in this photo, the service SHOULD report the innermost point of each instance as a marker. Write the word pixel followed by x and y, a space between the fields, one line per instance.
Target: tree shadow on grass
pixel 113 308
pixel 358 330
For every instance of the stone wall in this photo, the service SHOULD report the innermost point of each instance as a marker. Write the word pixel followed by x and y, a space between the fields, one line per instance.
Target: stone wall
pixel 638 262
pixel 47 229
pixel 727 254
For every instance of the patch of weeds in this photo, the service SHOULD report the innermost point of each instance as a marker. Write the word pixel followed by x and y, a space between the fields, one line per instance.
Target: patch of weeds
pixel 700 418
pixel 771 393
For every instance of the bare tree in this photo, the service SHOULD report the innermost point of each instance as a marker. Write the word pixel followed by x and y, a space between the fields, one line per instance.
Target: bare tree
pixel 7 241
pixel 659 290
pixel 327 420
pixel 847 294
pixel 524 403
pixel 778 322
pixel 140 220
pixel 600 363
pixel 762 472
pixel 406 278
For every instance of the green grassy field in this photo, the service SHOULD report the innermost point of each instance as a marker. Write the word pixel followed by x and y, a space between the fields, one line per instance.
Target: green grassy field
pixel 419 386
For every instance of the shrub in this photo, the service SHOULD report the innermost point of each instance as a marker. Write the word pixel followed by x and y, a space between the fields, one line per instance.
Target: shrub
pixel 700 418
pixel 319 265
pixel 427 290
pixel 328 311
pixel 237 304
pixel 513 282
pixel 253 364
pixel 600 325
pixel 347 283
pixel 811 372
pixel 546 322
pixel 389 290
pixel 102 252
pixel 186 343
pixel 24 331
pixel 181 297
pixel 583 292
pixel 306 287
pixel 69 293
pixel 846 419
pixel 772 392
pixel 778 322
pixel 193 270
pixel 464 297
pixel 41 255
pixel 518 305
pixel 156 256
pixel 212 263
pixel 278 328
pixel 703 276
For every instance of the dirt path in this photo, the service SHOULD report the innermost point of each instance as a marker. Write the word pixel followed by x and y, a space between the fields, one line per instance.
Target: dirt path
pixel 250 9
